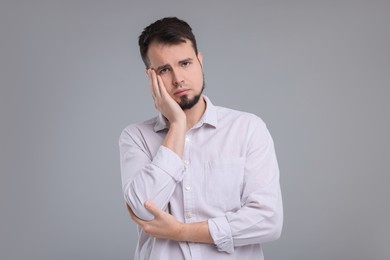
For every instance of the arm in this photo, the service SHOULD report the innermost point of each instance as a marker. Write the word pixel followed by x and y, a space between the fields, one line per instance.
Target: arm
pixel 260 218
pixel 165 226
pixel 145 178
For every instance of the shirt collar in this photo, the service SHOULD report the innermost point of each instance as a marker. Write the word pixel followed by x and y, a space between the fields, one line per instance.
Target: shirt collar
pixel 209 117
pixel 161 123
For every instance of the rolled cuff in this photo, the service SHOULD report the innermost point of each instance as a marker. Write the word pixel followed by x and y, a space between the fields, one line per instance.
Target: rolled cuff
pixel 169 162
pixel 222 235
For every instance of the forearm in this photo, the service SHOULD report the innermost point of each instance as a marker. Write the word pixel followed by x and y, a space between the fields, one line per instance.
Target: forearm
pixel 265 229
pixel 257 222
pixel 174 140
pixel 197 232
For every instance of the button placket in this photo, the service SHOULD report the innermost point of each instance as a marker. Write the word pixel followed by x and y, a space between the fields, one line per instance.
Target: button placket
pixel 188 196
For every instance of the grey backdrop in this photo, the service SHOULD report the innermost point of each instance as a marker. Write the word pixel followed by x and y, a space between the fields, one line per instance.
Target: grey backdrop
pixel 317 72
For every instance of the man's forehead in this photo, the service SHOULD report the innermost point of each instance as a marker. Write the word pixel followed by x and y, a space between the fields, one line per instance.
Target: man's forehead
pixel 168 53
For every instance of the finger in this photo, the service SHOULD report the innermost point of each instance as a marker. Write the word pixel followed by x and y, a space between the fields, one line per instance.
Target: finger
pixel 152 208
pixel 133 216
pixel 161 85
pixel 148 72
pixel 156 89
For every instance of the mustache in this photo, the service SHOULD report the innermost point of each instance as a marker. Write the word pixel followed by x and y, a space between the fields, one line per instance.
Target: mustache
pixel 181 85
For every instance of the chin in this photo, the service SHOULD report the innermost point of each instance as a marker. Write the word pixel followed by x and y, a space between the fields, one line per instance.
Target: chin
pixel 188 102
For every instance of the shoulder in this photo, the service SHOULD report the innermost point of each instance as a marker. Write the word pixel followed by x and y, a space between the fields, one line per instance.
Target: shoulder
pixel 137 130
pixel 232 116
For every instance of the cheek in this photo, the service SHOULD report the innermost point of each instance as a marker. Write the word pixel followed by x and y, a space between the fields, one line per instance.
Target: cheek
pixel 200 77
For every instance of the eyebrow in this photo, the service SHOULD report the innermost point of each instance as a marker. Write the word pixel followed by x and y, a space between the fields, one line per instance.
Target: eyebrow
pixel 165 66
pixel 185 60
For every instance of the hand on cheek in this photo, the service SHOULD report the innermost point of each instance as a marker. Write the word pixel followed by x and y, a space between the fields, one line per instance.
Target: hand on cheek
pixel 162 100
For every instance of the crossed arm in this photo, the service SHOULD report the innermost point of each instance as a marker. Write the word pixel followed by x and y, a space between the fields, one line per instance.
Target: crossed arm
pixel 165 226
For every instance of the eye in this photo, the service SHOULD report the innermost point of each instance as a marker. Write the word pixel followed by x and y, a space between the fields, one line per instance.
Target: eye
pixel 163 71
pixel 185 64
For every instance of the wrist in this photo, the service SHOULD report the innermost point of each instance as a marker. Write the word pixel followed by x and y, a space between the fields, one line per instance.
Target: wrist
pixel 197 232
pixel 184 233
pixel 179 124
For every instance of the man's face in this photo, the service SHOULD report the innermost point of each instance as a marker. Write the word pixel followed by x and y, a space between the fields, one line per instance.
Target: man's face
pixel 180 69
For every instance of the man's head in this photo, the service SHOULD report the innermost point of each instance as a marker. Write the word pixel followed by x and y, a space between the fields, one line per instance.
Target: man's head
pixel 168 47
pixel 166 31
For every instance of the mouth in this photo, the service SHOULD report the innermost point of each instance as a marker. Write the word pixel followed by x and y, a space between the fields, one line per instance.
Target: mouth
pixel 180 92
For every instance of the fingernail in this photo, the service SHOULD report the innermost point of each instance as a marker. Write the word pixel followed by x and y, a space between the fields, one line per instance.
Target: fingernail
pixel 147 204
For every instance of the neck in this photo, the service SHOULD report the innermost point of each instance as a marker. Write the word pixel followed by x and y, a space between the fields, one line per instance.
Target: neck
pixel 195 113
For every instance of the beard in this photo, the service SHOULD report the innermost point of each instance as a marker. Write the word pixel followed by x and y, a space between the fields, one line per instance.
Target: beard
pixel 186 103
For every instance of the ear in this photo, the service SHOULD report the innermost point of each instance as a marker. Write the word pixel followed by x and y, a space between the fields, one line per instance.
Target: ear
pixel 200 58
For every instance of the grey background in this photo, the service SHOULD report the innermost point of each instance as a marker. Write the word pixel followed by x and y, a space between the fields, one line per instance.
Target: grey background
pixel 317 72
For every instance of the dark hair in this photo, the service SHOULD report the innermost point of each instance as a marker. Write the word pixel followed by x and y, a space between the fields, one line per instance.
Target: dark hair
pixel 168 30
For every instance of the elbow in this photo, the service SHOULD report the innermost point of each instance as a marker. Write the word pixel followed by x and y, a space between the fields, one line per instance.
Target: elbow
pixel 136 205
pixel 275 223
pixel 275 229
pixel 268 233
pixel 275 233
pixel 141 213
pixel 270 229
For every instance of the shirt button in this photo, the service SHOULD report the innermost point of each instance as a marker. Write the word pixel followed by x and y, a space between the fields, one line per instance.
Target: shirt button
pixel 186 162
pixel 188 188
pixel 188 139
pixel 188 215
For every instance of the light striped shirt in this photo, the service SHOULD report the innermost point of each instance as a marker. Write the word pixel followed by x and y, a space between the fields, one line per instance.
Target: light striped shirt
pixel 228 176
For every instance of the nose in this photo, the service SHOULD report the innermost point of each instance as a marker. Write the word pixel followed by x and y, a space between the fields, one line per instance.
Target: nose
pixel 177 78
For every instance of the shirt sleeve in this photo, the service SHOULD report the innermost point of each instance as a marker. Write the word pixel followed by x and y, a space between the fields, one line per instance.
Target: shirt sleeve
pixel 145 178
pixel 260 218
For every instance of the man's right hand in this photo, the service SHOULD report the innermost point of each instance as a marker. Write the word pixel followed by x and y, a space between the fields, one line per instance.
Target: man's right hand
pixel 163 101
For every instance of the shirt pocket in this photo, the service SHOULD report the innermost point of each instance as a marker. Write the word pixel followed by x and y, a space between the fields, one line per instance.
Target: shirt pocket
pixel 223 183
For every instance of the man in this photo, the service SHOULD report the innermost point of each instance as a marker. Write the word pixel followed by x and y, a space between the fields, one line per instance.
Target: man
pixel 201 181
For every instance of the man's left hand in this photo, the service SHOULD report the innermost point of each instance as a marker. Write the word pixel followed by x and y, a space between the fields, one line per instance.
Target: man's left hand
pixel 164 225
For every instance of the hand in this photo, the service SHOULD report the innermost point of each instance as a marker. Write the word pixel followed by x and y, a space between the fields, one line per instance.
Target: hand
pixel 163 101
pixel 164 225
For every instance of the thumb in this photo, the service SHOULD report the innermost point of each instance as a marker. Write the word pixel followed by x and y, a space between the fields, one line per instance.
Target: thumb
pixel 152 208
